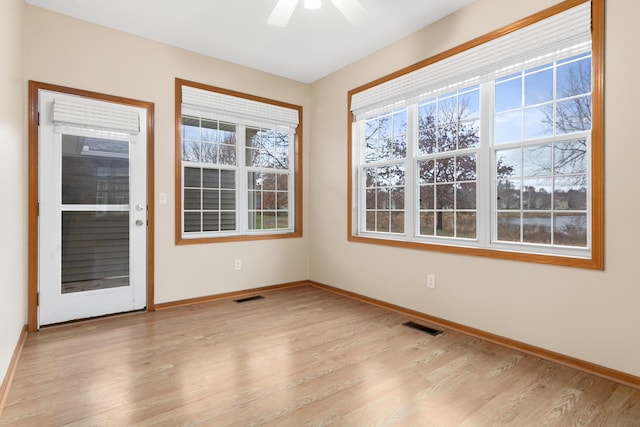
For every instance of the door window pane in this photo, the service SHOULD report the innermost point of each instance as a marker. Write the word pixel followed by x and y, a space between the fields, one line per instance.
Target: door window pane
pixel 95 250
pixel 94 171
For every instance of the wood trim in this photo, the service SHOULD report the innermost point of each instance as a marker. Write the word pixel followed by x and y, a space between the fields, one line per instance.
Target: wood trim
pixel 229 295
pixel 596 261
pixel 34 88
pixel 597 134
pixel 13 364
pixel 150 207
pixel 581 365
pixel 297 232
pixel 32 239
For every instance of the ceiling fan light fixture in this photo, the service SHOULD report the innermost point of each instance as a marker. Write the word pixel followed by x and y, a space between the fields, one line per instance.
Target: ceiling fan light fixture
pixel 312 4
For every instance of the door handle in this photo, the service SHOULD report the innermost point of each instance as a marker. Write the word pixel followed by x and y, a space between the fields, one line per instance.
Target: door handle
pixel 139 222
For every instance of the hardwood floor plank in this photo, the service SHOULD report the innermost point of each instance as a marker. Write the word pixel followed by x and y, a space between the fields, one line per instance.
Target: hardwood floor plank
pixel 301 356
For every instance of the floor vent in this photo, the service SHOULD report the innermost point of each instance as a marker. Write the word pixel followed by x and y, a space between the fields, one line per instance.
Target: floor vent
pixel 422 328
pixel 247 299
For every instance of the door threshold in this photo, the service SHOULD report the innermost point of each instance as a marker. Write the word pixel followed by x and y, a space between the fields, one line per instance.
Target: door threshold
pixel 96 318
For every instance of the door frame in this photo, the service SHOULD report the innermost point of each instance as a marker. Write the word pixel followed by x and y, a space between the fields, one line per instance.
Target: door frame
pixel 33 123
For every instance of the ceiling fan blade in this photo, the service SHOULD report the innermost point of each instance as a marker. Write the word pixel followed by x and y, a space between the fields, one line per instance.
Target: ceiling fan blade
pixel 353 10
pixel 282 13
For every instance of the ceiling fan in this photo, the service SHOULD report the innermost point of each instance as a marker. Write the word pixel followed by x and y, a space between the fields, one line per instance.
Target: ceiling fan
pixel 353 10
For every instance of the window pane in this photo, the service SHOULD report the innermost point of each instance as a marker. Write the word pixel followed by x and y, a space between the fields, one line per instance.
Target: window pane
pixel 536 160
pixel 227 155
pixel 538 121
pixel 211 178
pixel 192 199
pixel 508 95
pixel 466 225
pixel 447 137
pixel 382 221
pixel 191 151
pixel 396 198
pixel 427 223
pixel 210 200
pixel 210 221
pixel 227 221
pixel 227 133
pixel 508 163
pixel 538 87
pixel 192 177
pixel 94 252
pixel 469 134
pixel 227 200
pixel 536 228
pixel 466 196
pixel 227 179
pixel 570 229
pixel 447 110
pixel 508 194
pixel 427 195
pixel 444 196
pixel 469 105
pixel 282 182
pixel 269 200
pixel 370 223
pixel 570 193
pixel 190 128
pixel 509 227
pixel 466 168
pixel 192 222
pixel 209 131
pixel 397 222
pixel 573 115
pixel 427 171
pixel 94 171
pixel 573 78
pixel 536 194
pixel 268 220
pixel 445 223
pixel 445 169
pixel 427 129
pixel 370 199
pixel 282 200
pixel 570 157
pixel 382 198
pixel 508 127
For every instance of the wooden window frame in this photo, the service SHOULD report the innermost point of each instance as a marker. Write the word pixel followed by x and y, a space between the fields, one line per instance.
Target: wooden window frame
pixel 297 171
pixel 596 259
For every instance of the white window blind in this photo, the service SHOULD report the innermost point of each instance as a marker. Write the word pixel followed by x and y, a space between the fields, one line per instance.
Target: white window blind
pixel 94 117
pixel 559 36
pixel 236 109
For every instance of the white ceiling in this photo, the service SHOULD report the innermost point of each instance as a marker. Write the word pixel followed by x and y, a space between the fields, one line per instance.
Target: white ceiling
pixel 314 44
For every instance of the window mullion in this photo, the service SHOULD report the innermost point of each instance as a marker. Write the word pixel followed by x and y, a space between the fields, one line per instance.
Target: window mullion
pixel 486 203
pixel 411 204
pixel 242 187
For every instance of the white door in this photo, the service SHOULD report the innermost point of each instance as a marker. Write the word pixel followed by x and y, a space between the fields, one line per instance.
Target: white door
pixel 92 225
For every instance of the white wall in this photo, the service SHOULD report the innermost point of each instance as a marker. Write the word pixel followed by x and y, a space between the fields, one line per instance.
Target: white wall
pixel 68 52
pixel 13 176
pixel 590 315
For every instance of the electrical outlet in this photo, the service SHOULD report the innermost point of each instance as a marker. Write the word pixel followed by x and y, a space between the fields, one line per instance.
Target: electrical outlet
pixel 238 264
pixel 431 281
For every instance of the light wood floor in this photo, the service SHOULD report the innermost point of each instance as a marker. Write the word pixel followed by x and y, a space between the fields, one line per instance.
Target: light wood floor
pixel 301 356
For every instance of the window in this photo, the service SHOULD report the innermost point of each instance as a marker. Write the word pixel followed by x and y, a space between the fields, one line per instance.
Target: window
pixel 494 150
pixel 238 169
